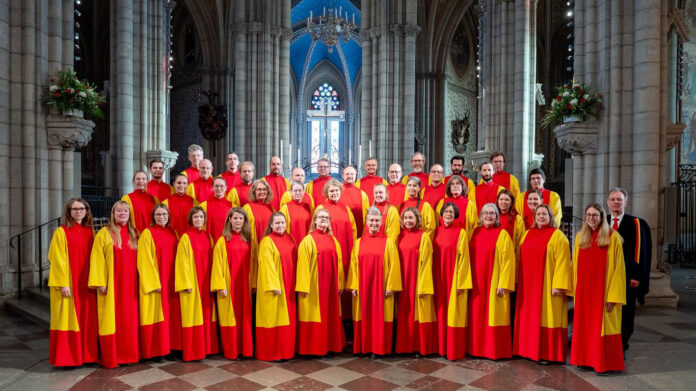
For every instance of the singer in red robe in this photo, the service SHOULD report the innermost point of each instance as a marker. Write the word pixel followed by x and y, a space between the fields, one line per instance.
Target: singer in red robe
pixel 157 187
pixel 456 194
pixel 160 317
pixel 230 279
pixel 541 318
pixel 374 279
pixel 240 194
pixel 113 273
pixel 231 176
pixel 418 165
pixel 416 325
pixel 276 182
pixel 354 198
pixel 368 182
pixel 395 189
pixel 195 156
pixel 73 334
pixel 452 281
pixel 202 188
pixel 315 188
pixel 493 275
pixel 435 191
pixel 140 202
pixel 504 179
pixel 179 205
pixel 319 285
pixel 216 208
pixel 414 200
pixel 298 213
pixel 537 179
pixel 259 212
pixel 510 220
pixel 487 190
pixel 192 281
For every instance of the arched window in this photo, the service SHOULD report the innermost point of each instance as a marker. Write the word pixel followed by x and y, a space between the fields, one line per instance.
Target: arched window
pixel 325 92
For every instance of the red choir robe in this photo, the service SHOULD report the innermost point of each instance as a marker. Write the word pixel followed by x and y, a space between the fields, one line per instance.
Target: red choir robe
pixel 367 184
pixel 198 318
pixel 486 193
pixel 160 316
pixel 492 266
pixel 73 338
pixel 216 209
pixel 508 181
pixel 541 319
pixel 116 269
pixel 232 179
pixel 315 189
pixel 434 194
pixel 239 196
pixel 397 194
pixel 306 199
pixel 298 218
pixel 468 214
pixel 374 270
pixel 320 276
pixel 192 173
pixel 469 185
pixel 423 176
pixel 276 313
pixel 428 221
pixel 514 226
pixel 200 189
pixel 278 185
pixel 599 277
pixel 358 202
pixel 160 190
pixel 259 215
pixel 179 207
pixel 344 230
pixel 452 280
pixel 391 221
pixel 141 204
pixel 548 197
pixel 231 271
pixel 416 327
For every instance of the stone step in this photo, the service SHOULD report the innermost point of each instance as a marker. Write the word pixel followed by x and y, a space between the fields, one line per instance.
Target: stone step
pixel 41 295
pixel 31 308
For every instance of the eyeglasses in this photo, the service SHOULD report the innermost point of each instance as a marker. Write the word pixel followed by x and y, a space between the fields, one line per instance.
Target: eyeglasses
pixel 592 215
pixel 488 213
pixel 78 209
pixel 161 214
pixel 322 217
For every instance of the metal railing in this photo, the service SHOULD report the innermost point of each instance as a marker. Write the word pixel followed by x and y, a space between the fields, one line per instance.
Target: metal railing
pixel 16 243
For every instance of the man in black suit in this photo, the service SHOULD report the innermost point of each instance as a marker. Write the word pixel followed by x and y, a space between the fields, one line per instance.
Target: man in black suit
pixel 637 249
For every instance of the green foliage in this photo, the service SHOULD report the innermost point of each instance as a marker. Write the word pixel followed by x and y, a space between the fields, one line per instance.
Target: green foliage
pixel 66 92
pixel 572 99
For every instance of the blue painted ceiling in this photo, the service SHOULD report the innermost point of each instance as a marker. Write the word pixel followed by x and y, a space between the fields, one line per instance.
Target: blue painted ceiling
pixel 299 48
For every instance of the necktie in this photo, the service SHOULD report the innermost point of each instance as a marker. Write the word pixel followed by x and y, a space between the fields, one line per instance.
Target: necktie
pixel 615 226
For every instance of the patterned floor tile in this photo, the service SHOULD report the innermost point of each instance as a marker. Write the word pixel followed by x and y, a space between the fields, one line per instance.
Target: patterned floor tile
pixel 241 368
pixel 422 365
pixel 364 365
pixel 335 375
pixel 304 367
pixel 236 384
pixel 145 377
pixel 434 383
pixel 175 384
pixel 514 376
pixel 269 377
pixel 369 383
pixel 397 375
pixel 457 374
pixel 304 384
pixel 208 377
pixel 182 368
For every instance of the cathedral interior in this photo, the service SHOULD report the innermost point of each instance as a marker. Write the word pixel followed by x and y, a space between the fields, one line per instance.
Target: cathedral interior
pixel 388 78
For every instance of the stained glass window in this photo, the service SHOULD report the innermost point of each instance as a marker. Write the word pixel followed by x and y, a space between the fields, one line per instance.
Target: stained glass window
pixel 325 92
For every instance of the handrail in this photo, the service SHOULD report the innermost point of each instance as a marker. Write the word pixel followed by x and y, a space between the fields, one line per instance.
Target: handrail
pixel 18 239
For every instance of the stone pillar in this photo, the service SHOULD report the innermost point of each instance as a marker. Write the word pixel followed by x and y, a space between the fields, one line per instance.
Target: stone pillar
pixel 64 135
pixel 5 267
pixel 122 102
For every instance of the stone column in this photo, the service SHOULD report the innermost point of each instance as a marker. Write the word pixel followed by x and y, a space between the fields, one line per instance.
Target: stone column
pixel 122 101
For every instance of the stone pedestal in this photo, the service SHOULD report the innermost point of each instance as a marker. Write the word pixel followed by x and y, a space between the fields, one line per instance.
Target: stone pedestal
pixel 64 135
pixel 68 132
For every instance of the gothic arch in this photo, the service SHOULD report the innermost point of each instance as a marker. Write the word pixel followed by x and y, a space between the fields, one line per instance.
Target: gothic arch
pixel 325 72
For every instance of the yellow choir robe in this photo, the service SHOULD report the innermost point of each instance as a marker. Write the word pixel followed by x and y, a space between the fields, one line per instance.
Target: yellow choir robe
pixel 391 224
pixel 307 280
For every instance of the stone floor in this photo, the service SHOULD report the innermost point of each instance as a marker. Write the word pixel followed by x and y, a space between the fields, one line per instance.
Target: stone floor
pixel 661 357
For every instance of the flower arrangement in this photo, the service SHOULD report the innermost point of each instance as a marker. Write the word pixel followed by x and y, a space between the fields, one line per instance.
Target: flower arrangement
pixel 66 92
pixel 572 100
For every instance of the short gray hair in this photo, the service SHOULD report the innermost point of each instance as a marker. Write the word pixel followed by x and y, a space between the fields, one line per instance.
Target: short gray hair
pixel 618 190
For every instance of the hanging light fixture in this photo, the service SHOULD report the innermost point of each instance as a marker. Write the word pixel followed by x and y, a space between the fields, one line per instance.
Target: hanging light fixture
pixel 331 29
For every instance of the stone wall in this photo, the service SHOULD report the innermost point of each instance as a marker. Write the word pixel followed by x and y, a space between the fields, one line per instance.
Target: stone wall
pixel 461 102
pixel 688 139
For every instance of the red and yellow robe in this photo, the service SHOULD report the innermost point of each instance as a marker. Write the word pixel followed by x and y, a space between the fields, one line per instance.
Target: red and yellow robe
pixel 397 194
pixel 231 271
pixel 216 210
pixel 160 190
pixel 141 204
pixel 306 199
pixel 344 230
pixel 276 313
pixel 116 269
pixel 200 189
pixel 599 277
pixel 548 197
pixel 320 276
pixel 514 226
pixel 416 326
pixel 469 186
pixel 160 316
pixel 198 318
pixel 278 185
pixel 468 214
pixel 492 267
pixel 423 176
pixel 192 173
pixel 391 221
pixel 232 179
pixel 541 319
pixel 374 270
pixel 259 215
pixel 434 194
pixel 508 181
pixel 239 196
pixel 73 338
pixel 358 202
pixel 428 221
pixel 298 218
pixel 452 280
pixel 179 207
pixel 367 184
pixel 486 193
pixel 315 189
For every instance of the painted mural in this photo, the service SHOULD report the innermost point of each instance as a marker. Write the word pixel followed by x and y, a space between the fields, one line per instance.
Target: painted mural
pixel 688 141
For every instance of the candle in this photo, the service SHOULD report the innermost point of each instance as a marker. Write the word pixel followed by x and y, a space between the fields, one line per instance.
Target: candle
pixel 311 15
pixel 290 155
pixel 281 151
pixel 324 14
pixel 299 158
pixel 359 156
pixel 353 17
pixel 350 155
pixel 370 149
pixel 340 8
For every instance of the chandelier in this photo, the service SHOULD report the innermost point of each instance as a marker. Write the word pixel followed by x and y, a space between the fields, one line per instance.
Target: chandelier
pixel 331 29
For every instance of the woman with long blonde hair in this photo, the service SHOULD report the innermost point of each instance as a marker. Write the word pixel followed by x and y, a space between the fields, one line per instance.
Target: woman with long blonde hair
pixel 113 273
pixel 599 290
pixel 140 201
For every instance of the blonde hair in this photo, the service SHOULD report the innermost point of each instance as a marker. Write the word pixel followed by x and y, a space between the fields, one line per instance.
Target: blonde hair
pixel 313 227
pixel 227 231
pixel 419 219
pixel 552 221
pixel 68 221
pixel 115 230
pixel 329 184
pixel 584 237
pixel 255 185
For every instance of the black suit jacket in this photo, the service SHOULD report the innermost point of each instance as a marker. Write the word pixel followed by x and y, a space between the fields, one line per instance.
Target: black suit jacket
pixel 637 249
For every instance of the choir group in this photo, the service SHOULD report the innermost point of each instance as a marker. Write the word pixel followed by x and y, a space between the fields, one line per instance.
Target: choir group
pixel 272 268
